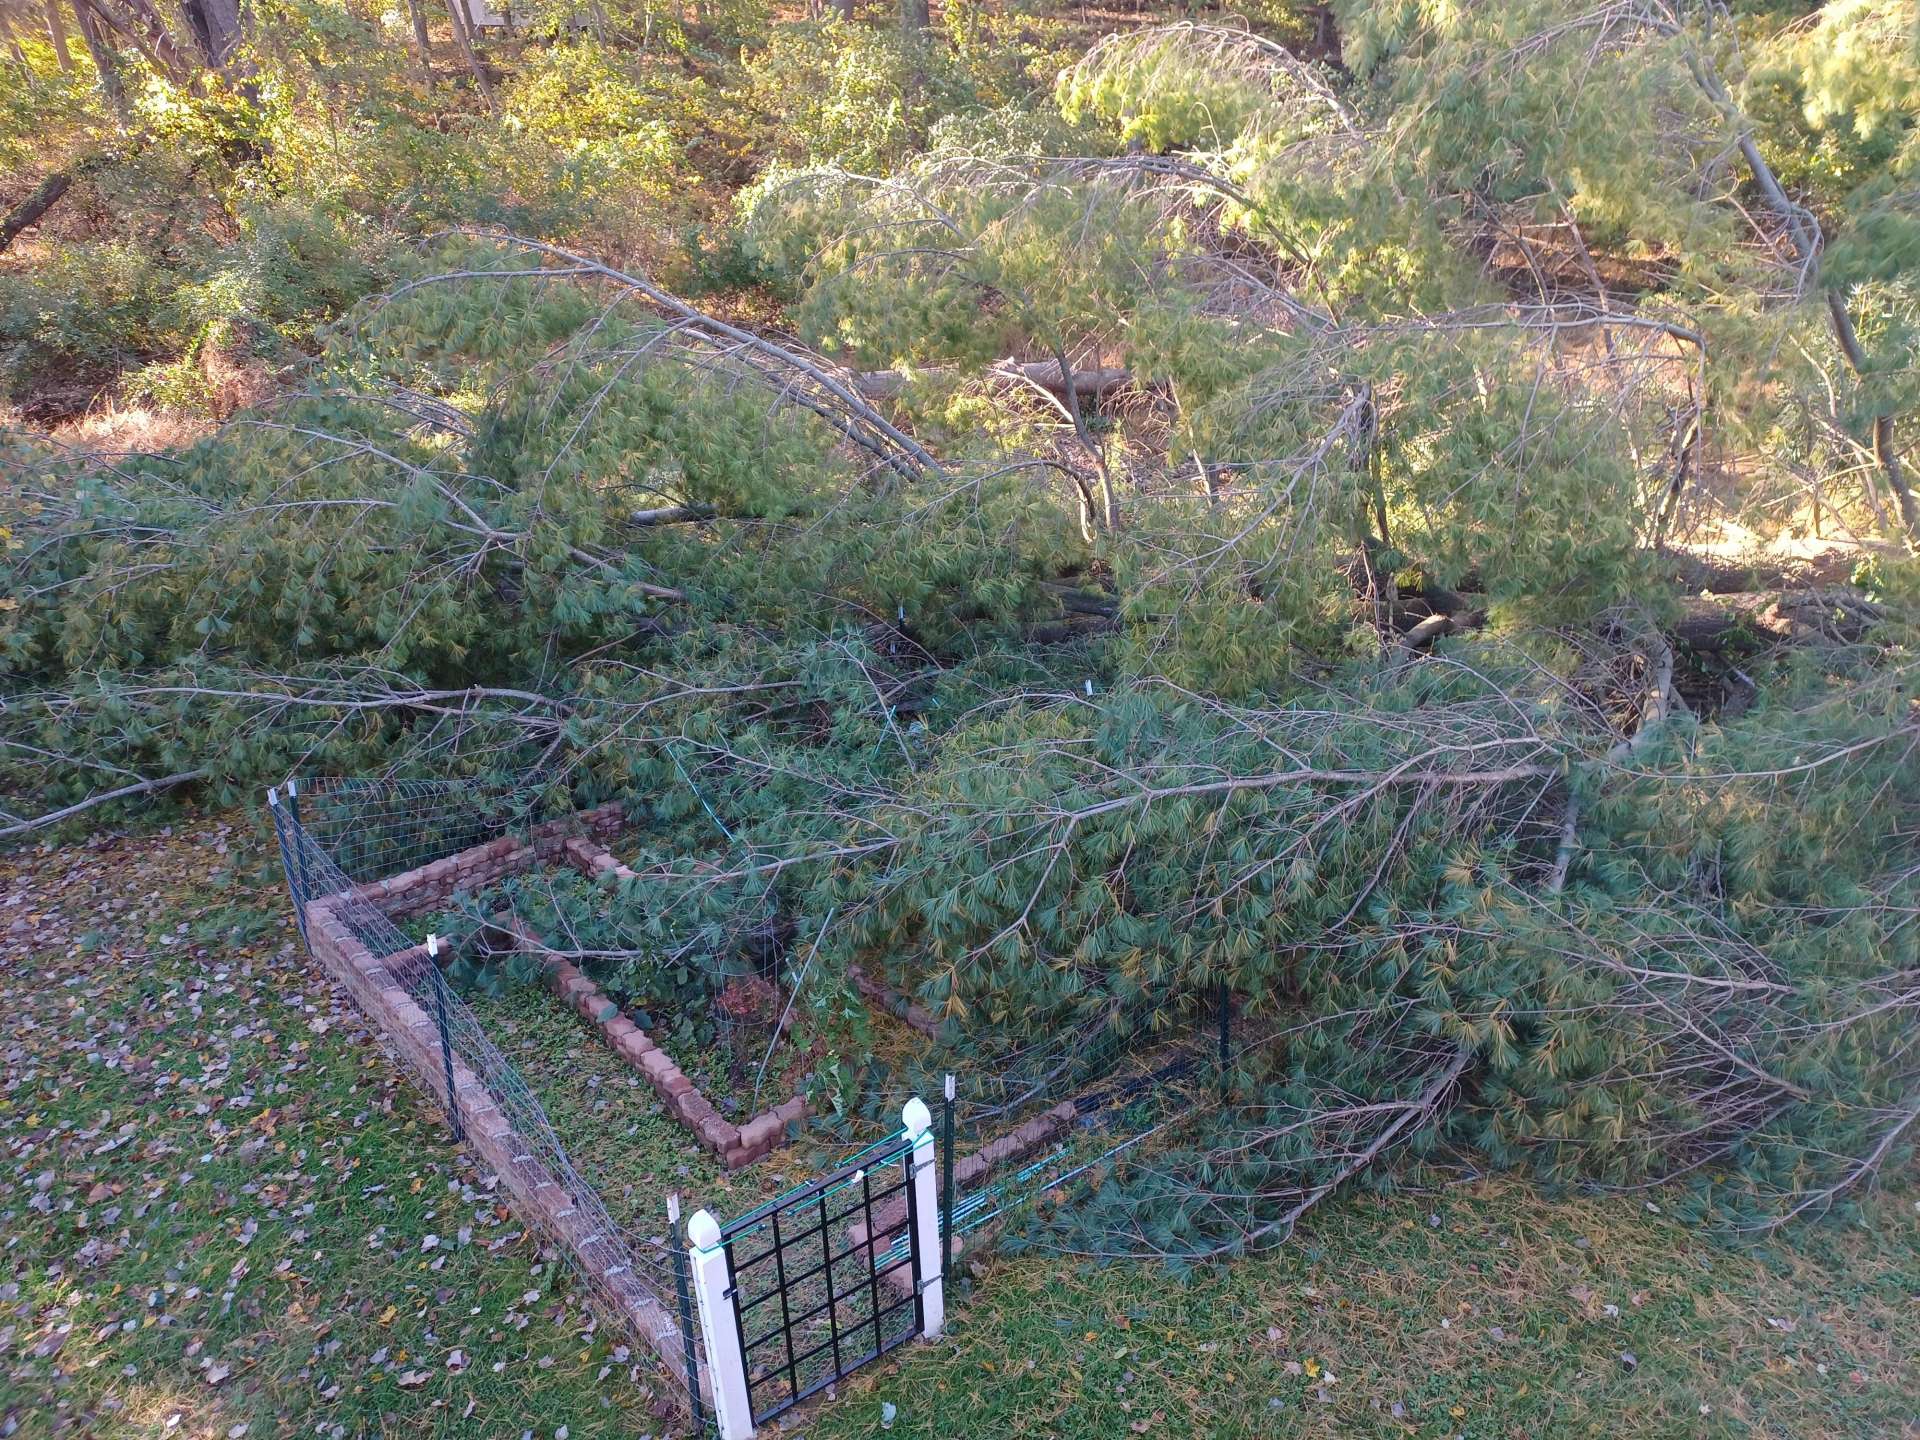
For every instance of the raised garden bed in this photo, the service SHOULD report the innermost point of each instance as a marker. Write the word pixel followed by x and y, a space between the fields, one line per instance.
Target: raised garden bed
pixel 732 1139
pixel 613 1122
pixel 734 1144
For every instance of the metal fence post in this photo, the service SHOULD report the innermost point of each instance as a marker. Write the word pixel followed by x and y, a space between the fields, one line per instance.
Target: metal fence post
pixel 685 1295
pixel 299 845
pixel 946 1168
pixel 726 1364
pixel 286 864
pixel 439 983
pixel 925 1219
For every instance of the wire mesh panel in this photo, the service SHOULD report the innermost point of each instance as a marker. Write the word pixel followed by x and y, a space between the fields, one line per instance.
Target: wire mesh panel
pixel 631 1280
pixel 816 1293
pixel 375 828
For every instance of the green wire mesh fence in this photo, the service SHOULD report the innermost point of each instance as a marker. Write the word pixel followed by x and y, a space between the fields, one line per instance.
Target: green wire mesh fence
pixel 379 828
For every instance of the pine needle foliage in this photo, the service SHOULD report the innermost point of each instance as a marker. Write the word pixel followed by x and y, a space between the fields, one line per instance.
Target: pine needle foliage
pixel 1214 532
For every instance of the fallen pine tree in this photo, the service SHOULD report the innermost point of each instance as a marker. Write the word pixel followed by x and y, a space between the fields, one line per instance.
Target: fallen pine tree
pixel 1322 646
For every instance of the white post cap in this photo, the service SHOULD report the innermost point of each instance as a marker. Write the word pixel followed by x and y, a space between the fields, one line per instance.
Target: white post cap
pixel 703 1231
pixel 916 1117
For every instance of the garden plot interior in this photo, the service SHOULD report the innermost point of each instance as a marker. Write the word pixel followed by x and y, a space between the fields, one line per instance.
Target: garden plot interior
pixel 572 931
pixel 618 1130
pixel 626 1135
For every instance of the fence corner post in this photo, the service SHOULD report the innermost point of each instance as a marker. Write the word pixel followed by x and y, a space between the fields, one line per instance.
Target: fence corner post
pixel 930 1269
pixel 946 1170
pixel 439 984
pixel 713 1294
pixel 683 1290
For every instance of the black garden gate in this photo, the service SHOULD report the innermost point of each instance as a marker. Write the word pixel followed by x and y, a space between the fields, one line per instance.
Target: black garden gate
pixel 817 1294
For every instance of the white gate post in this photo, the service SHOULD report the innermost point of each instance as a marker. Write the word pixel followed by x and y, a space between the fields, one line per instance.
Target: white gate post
pixel 726 1366
pixel 926 1218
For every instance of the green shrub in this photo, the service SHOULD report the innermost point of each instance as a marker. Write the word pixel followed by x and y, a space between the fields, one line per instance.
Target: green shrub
pixel 846 95
pixel 610 132
pixel 76 319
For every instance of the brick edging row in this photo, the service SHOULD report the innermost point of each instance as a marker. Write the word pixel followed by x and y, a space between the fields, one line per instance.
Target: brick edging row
pixel 735 1145
pixel 552 1202
pixel 890 1218
pixel 416 891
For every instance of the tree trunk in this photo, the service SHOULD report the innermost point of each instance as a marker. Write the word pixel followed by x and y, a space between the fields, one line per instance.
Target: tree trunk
pixel 100 51
pixel 1803 231
pixel 142 24
pixel 44 197
pixel 422 45
pixel 13 44
pixel 463 37
pixel 57 32
pixel 914 19
pixel 216 28
pixel 1885 452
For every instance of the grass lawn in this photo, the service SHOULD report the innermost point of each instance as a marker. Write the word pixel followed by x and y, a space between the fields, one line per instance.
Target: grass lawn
pixel 1488 1311
pixel 615 1128
pixel 226 1213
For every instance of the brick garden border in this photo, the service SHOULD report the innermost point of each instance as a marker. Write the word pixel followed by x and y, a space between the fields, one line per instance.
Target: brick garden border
pixel 890 1219
pixel 545 1198
pixel 878 993
pixel 735 1145
pixel 426 887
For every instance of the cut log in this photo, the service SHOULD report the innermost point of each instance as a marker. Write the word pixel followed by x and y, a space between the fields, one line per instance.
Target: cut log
pixel 671 515
pixel 44 197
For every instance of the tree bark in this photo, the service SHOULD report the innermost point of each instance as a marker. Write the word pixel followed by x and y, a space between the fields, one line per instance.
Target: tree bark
pixel 13 44
pixel 140 22
pixel 44 197
pixel 422 45
pixel 100 51
pixel 57 33
pixel 463 37
pixel 216 28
